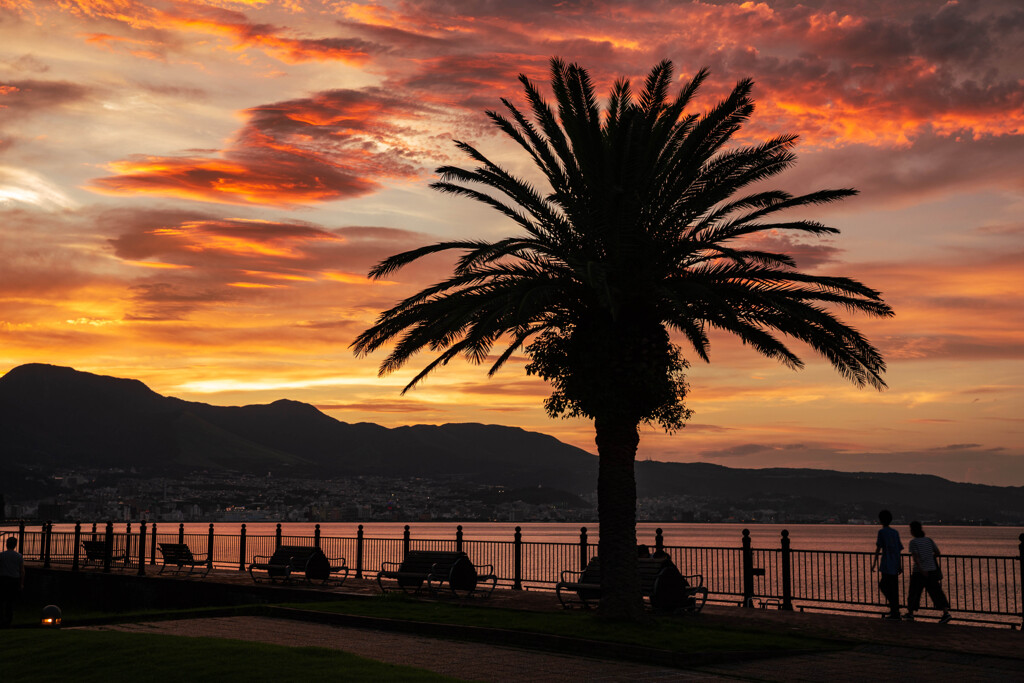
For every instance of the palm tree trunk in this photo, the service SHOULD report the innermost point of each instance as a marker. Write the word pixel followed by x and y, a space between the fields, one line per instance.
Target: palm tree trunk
pixel 617 440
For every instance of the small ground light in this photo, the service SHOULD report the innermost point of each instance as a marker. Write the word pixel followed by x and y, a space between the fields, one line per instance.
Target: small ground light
pixel 51 616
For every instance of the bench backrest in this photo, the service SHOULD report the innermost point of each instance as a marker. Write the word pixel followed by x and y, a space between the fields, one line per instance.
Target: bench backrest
pixel 657 575
pixel 454 566
pixel 94 550
pixel 303 558
pixel 295 555
pixel 176 552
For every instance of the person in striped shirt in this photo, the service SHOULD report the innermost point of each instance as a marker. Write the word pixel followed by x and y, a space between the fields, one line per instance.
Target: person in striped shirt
pixel 926 574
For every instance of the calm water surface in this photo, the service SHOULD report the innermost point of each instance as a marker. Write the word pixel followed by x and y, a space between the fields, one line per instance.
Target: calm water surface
pixel 952 540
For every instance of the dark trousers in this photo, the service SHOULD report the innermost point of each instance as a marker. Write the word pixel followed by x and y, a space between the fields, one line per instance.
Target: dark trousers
pixel 920 581
pixel 889 584
pixel 8 594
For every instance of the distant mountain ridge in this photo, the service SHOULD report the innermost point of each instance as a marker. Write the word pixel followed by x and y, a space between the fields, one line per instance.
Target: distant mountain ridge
pixel 63 418
pixel 59 418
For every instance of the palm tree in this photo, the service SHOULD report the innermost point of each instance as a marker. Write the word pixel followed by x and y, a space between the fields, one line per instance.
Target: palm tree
pixel 637 239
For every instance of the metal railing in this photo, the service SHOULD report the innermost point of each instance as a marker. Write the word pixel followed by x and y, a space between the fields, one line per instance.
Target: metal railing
pixel 979 588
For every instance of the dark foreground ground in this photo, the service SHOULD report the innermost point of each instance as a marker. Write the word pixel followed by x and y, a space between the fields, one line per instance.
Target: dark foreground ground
pixel 868 648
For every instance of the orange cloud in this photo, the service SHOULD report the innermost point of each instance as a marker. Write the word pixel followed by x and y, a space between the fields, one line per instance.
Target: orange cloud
pixel 335 145
pixel 282 181
pixel 146 49
pixel 160 21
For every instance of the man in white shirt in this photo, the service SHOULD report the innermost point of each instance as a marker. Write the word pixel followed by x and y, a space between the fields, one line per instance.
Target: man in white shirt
pixel 926 574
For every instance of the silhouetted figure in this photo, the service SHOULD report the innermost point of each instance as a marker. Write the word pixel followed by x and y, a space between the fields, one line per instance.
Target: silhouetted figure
pixel 659 554
pixel 926 574
pixel 643 551
pixel 890 567
pixel 12 580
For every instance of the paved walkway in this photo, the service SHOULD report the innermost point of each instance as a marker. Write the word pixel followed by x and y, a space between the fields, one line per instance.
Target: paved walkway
pixel 472 661
pixel 906 651
pixel 466 661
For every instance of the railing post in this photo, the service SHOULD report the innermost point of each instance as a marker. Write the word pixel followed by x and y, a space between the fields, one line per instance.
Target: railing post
pixel 78 543
pixel 181 533
pixel 405 541
pixel 21 537
pixel 359 552
pixel 94 531
pixel 209 548
pixel 277 537
pixel 517 578
pixel 241 548
pixel 108 546
pixel 142 548
pixel 47 533
pixel 583 548
pixel 787 576
pixel 659 541
pixel 316 536
pixel 458 538
pixel 748 570
pixel 152 546
pixel 1021 567
pixel 127 543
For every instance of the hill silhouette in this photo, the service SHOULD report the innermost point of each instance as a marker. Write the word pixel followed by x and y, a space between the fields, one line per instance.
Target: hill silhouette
pixel 62 418
pixel 57 418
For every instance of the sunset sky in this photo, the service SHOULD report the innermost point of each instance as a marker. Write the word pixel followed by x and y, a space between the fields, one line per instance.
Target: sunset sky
pixel 192 193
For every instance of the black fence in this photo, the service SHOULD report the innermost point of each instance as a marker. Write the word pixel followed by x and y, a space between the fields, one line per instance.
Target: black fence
pixel 986 589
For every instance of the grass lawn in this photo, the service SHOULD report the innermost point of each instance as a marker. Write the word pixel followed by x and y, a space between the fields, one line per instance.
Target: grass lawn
pixel 70 655
pixel 677 634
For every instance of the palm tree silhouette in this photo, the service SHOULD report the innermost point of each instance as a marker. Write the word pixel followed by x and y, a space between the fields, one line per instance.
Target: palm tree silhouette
pixel 637 237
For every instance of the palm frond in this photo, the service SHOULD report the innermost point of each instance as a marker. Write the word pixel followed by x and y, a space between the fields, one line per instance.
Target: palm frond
pixel 643 224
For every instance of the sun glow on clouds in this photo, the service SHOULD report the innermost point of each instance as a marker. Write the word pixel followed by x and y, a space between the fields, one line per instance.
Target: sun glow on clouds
pixel 23 186
pixel 177 267
pixel 218 386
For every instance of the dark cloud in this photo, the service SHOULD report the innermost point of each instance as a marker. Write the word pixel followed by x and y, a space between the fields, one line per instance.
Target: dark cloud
pixel 948 347
pixel 164 301
pixel 20 98
pixel 27 63
pixel 41 258
pixel 506 387
pixel 472 81
pixel 402 42
pixel 196 259
pixel 808 255
pixel 931 166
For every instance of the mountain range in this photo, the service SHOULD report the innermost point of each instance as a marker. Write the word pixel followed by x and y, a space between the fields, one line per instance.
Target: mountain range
pixel 57 418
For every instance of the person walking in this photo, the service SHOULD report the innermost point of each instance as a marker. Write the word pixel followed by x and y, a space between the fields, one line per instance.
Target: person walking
pixel 926 574
pixel 12 580
pixel 890 564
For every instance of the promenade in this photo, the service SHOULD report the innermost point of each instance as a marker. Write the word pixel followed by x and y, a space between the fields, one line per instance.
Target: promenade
pixel 868 648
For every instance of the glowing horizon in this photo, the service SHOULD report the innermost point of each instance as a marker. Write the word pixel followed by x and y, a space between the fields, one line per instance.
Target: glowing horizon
pixel 194 190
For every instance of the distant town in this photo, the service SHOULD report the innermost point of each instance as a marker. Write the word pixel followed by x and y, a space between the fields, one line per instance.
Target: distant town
pixel 235 497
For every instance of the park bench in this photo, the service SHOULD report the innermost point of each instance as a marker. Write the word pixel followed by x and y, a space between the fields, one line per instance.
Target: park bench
pixel 179 556
pixel 430 567
pixel 95 551
pixel 289 561
pixel 660 582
